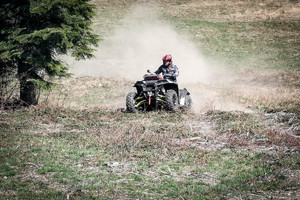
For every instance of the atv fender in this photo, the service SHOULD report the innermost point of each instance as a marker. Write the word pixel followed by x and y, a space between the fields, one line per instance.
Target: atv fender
pixel 172 86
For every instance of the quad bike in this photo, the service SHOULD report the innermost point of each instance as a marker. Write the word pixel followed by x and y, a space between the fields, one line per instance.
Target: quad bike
pixel 156 93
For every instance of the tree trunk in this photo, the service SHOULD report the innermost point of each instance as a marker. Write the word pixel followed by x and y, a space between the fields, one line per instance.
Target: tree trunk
pixel 27 92
pixel 27 88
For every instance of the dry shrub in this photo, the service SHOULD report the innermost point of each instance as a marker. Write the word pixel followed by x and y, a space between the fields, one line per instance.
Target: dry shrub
pixel 280 138
pixel 234 140
pixel 138 141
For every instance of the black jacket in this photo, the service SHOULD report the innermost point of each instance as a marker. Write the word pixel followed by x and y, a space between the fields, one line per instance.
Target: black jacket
pixel 164 70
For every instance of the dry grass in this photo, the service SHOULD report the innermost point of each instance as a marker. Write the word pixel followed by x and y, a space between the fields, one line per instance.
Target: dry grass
pixel 88 93
pixel 240 11
pixel 248 91
pixel 270 91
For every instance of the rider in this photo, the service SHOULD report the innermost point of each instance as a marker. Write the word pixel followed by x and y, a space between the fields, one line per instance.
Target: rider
pixel 167 67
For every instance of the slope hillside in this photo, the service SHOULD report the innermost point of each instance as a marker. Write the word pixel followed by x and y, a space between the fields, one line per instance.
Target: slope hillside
pixel 241 140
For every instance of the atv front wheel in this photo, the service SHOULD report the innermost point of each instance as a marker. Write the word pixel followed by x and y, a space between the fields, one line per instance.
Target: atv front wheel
pixel 130 102
pixel 172 100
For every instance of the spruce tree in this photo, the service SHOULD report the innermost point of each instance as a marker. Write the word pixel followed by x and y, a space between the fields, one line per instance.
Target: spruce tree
pixel 33 33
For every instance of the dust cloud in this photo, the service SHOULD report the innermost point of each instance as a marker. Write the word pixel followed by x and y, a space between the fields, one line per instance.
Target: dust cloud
pixel 139 44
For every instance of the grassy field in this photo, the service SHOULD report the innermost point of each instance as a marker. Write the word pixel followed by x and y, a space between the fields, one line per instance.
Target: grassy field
pixel 55 153
pixel 78 143
pixel 260 34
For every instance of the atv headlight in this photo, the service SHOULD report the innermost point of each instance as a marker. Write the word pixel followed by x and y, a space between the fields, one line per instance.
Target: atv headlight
pixel 149 88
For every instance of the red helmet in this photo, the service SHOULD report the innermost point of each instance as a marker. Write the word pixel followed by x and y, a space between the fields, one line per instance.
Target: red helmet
pixel 167 60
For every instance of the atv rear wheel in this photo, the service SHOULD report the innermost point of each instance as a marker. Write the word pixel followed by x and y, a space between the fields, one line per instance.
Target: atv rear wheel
pixel 130 102
pixel 187 102
pixel 172 100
